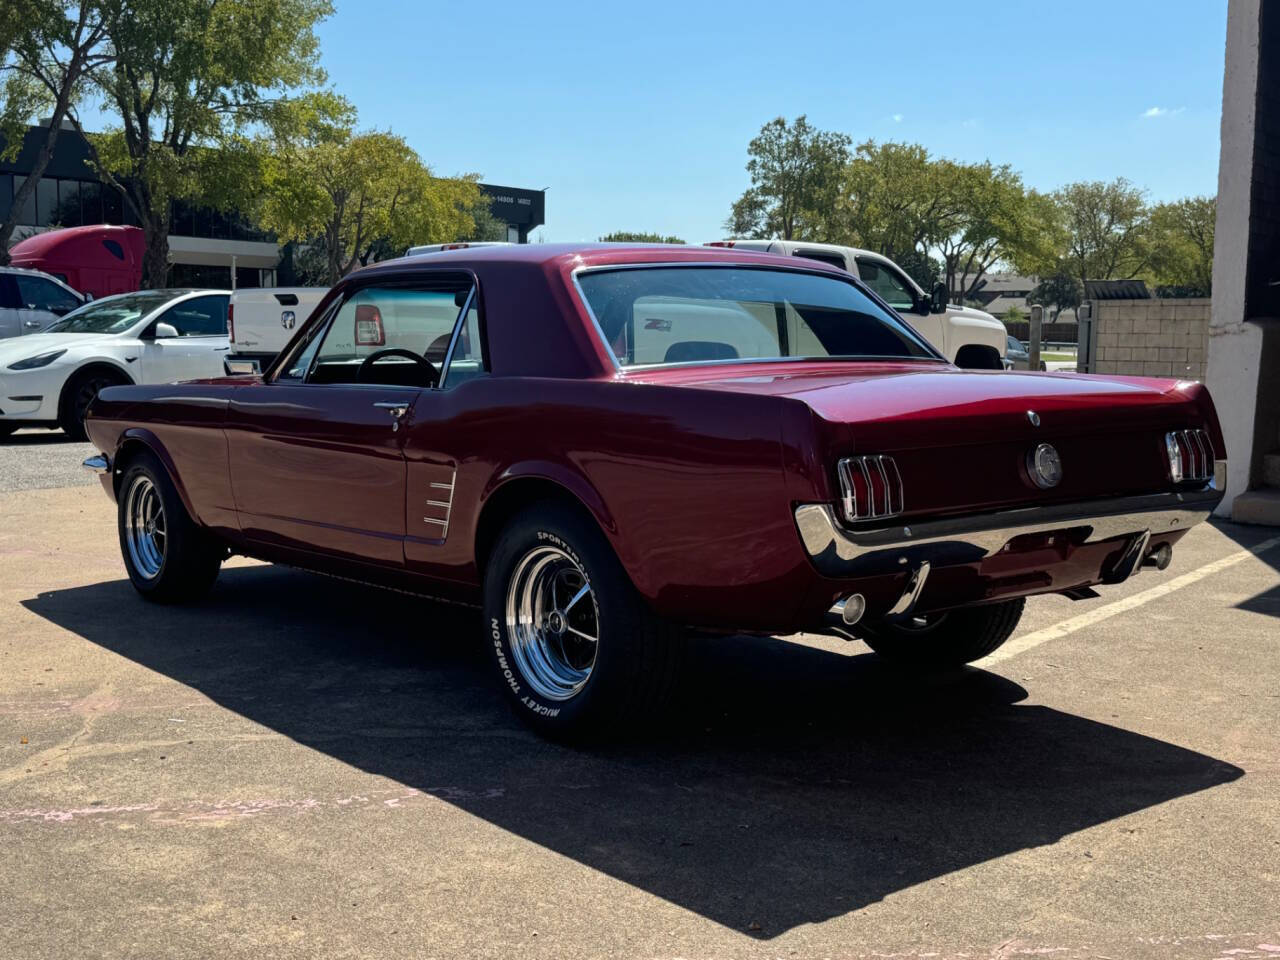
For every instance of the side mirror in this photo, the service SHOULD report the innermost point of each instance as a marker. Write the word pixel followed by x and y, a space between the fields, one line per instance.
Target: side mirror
pixel 88 297
pixel 938 302
pixel 164 331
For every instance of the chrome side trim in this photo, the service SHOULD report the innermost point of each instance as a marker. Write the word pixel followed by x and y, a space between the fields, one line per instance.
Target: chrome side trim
pixel 446 505
pixel 97 464
pixel 839 552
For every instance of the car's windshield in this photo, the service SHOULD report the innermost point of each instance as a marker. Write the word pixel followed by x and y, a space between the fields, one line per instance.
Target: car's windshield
pixel 111 314
pixel 698 314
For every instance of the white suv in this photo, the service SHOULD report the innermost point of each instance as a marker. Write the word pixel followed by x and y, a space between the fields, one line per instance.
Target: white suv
pixel 31 300
pixel 966 337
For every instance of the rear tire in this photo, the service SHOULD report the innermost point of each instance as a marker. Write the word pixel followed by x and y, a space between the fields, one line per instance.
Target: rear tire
pixel 81 390
pixel 7 428
pixel 168 557
pixel 551 584
pixel 946 640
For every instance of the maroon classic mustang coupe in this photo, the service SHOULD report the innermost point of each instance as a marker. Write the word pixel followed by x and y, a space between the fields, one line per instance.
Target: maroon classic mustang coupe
pixel 605 447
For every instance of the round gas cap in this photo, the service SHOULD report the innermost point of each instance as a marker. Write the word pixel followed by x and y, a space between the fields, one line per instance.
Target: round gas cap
pixel 1045 466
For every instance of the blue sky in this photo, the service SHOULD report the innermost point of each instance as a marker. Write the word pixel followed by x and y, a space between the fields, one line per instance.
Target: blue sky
pixel 637 116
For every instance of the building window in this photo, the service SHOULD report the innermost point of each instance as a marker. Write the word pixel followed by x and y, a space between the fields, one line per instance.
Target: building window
pixel 68 213
pixel 28 215
pixel 46 202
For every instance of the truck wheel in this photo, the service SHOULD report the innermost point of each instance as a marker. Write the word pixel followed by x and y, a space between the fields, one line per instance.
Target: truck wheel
pixel 81 390
pixel 168 557
pixel 575 647
pixel 943 640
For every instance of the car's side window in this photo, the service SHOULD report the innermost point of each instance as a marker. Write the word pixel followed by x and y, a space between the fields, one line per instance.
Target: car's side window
pixel 198 317
pixel 390 335
pixel 8 293
pixel 467 362
pixel 891 288
pixel 36 293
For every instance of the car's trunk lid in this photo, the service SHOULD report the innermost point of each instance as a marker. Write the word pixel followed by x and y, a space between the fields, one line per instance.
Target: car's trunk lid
pixel 961 438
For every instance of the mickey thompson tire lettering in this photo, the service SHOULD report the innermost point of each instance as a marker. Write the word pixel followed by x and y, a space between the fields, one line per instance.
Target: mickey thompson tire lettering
pixel 509 675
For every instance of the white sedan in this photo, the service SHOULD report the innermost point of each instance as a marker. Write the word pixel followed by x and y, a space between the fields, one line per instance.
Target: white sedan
pixel 154 336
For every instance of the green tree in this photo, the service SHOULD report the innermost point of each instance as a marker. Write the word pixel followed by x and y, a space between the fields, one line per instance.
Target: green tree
pixel 1181 244
pixel 191 80
pixel 358 197
pixel 895 198
pixel 485 227
pixel 47 50
pixel 795 172
pixel 1106 226
pixel 1060 290
pixel 628 236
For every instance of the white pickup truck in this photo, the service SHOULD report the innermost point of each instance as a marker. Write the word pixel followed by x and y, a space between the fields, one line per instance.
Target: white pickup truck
pixel 261 320
pixel 966 337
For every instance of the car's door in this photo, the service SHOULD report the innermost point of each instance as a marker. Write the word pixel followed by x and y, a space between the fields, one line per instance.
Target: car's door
pixel 41 302
pixel 199 347
pixel 317 452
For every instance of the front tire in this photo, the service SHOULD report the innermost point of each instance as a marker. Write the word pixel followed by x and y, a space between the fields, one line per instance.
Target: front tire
pixel 168 557
pixel 576 649
pixel 946 640
pixel 82 390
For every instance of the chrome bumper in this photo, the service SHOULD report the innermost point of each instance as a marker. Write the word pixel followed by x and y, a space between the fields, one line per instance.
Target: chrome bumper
pixel 842 553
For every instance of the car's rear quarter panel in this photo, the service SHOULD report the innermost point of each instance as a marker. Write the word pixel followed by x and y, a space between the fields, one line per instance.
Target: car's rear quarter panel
pixel 687 486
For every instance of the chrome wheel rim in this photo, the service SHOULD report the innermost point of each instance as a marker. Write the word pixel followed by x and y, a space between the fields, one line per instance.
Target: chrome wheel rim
pixel 553 623
pixel 145 531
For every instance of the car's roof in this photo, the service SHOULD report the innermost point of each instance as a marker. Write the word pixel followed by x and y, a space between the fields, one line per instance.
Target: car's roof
pixel 594 254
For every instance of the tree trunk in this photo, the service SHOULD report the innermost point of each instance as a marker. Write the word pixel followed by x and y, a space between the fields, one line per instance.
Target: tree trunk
pixel 155 255
pixel 28 188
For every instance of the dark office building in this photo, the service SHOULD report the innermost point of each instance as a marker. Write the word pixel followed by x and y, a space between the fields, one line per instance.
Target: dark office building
pixel 203 244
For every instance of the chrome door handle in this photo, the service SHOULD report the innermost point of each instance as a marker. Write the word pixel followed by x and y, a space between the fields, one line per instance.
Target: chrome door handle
pixel 397 409
pixel 32 324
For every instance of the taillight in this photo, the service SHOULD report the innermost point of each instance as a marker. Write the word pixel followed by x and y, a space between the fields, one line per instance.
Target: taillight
pixel 1190 454
pixel 231 323
pixel 870 487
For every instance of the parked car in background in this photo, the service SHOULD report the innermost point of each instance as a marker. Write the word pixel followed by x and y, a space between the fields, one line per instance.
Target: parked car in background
pixel 98 260
pixel 154 336
pixel 605 445
pixel 1017 358
pixel 965 336
pixel 31 300
pixel 261 320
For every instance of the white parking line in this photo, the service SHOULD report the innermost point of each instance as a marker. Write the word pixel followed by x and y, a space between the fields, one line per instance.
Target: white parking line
pixel 1032 640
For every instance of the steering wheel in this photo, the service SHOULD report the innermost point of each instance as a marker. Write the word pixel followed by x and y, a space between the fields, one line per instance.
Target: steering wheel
pixel 432 373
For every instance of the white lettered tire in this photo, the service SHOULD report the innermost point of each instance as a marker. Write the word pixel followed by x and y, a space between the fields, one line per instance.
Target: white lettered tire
pixel 575 648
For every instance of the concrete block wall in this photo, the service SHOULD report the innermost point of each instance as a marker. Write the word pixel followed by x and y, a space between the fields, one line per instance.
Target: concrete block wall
pixel 1151 338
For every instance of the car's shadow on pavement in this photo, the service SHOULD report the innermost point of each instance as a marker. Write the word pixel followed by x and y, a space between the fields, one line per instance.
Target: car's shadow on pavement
pixel 38 438
pixel 790 785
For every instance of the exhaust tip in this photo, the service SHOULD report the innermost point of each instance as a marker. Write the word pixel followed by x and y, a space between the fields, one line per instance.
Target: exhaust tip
pixel 850 609
pixel 1160 557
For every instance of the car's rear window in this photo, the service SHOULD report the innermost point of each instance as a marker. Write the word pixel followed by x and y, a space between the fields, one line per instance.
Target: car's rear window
pixel 702 314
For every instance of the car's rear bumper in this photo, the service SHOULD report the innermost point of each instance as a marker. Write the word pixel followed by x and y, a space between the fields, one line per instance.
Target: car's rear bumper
pixel 980 557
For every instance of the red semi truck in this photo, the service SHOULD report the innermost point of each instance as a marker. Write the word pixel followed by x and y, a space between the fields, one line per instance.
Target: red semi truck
pixel 98 260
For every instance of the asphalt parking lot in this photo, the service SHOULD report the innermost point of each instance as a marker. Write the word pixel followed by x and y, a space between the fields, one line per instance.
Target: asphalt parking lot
pixel 300 768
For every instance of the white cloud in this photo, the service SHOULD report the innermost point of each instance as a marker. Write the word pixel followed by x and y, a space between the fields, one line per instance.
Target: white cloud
pixel 897 118
pixel 1162 112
